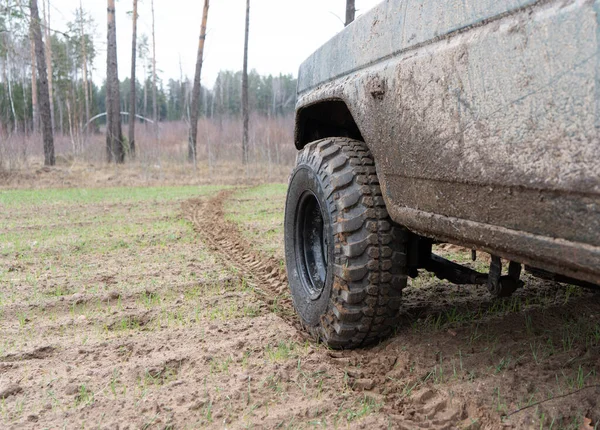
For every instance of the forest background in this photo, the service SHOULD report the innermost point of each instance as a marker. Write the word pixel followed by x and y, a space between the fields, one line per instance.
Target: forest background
pixel 78 94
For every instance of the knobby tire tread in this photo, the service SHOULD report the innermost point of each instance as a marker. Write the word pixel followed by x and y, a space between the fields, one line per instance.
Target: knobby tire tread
pixel 370 264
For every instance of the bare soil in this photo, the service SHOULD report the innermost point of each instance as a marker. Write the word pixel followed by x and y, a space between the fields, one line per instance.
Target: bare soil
pixel 166 323
pixel 461 359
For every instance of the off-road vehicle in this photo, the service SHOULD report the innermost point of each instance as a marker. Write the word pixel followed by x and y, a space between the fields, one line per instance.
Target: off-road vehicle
pixel 474 123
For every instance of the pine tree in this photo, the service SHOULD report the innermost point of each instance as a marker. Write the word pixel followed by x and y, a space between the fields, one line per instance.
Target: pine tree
pixel 114 136
pixel 197 87
pixel 44 95
pixel 245 112
pixel 132 98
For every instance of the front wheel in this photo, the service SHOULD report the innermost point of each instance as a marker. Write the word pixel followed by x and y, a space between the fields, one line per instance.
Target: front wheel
pixel 346 259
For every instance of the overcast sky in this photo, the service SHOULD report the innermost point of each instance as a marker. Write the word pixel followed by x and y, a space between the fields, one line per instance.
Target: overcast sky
pixel 282 33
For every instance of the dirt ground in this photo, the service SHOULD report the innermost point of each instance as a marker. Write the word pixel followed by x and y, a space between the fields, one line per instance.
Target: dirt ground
pixel 167 307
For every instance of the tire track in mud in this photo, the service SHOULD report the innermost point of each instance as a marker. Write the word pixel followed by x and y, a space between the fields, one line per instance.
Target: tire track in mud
pixel 264 274
pixel 370 370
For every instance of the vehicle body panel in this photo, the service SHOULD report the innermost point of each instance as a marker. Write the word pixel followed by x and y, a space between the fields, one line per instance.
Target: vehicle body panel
pixel 483 118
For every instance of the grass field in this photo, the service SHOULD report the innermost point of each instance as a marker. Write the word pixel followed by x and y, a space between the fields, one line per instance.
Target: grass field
pixel 259 213
pixel 115 311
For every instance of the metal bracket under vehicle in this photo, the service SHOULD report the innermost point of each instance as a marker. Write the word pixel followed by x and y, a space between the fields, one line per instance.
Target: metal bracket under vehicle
pixel 499 285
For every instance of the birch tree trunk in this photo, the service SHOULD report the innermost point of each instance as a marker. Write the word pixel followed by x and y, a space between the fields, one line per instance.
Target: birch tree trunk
pixel 114 136
pixel 10 94
pixel 34 89
pixel 69 113
pixel 44 96
pixel 61 119
pixel 146 94
pixel 49 60
pixel 132 98
pixel 245 113
pixel 154 102
pixel 25 109
pixel 7 43
pixel 86 93
pixel 197 87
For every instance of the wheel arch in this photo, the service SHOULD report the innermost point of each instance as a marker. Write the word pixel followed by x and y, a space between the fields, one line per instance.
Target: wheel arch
pixel 326 118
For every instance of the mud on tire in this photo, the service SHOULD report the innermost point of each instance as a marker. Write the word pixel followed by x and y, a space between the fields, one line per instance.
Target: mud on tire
pixel 346 259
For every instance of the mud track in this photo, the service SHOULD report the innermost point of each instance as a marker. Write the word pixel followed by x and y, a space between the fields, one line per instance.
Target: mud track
pixel 372 371
pixel 264 274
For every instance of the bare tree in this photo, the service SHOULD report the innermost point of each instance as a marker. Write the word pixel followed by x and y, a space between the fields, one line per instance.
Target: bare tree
pixel 132 98
pixel 143 55
pixel 9 79
pixel 34 89
pixel 86 93
pixel 49 60
pixel 154 103
pixel 197 87
pixel 245 113
pixel 350 11
pixel 114 136
pixel 44 95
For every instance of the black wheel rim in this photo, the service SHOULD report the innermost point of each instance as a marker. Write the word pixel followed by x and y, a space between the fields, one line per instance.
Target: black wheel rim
pixel 311 245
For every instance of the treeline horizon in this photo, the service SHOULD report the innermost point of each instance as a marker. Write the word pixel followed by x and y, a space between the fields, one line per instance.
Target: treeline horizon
pixel 269 96
pixel 48 91
pixel 75 97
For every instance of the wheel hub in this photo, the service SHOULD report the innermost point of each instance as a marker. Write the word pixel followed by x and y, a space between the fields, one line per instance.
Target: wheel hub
pixel 312 245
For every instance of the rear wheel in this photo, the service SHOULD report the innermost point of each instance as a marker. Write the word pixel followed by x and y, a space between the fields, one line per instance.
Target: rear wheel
pixel 346 259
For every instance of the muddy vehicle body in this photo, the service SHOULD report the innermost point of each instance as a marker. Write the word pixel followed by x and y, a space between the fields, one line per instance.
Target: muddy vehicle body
pixel 443 121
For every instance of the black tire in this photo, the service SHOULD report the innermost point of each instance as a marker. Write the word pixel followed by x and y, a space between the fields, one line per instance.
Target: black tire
pixel 346 259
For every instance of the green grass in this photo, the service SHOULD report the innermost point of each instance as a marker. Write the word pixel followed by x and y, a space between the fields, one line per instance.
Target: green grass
pixel 84 396
pixel 99 271
pixel 134 242
pixel 60 236
pixel 259 213
pixel 79 221
pixel 363 407
pixel 55 197
pixel 282 351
